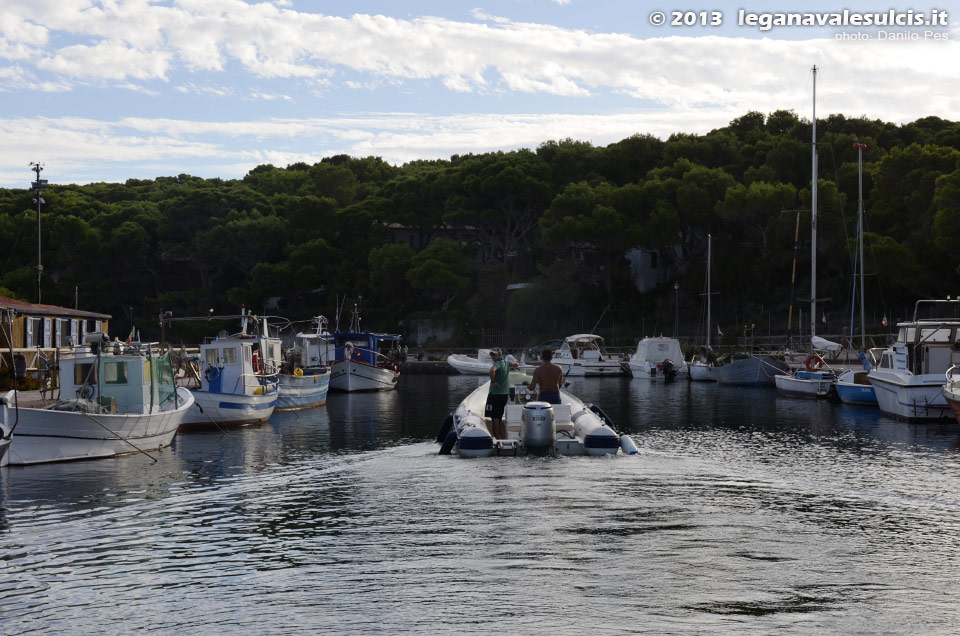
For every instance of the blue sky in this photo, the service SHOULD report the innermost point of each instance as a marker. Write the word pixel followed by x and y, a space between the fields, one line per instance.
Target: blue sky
pixel 107 90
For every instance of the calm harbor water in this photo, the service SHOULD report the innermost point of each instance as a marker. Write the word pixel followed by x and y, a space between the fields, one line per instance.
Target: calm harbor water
pixel 744 513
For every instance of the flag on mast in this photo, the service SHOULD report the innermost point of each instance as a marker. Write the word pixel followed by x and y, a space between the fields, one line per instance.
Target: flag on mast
pixel 884 320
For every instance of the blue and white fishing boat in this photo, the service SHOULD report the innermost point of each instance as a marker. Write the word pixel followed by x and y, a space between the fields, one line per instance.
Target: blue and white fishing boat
pixel 236 386
pixel 537 428
pixel 122 399
pixel 304 382
pixel 360 360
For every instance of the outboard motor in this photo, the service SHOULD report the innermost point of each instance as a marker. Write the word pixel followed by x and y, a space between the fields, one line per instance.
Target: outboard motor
pixel 669 373
pixel 538 430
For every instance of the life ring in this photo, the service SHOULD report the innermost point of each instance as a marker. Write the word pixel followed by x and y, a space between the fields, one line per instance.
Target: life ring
pixel 813 362
pixel 211 373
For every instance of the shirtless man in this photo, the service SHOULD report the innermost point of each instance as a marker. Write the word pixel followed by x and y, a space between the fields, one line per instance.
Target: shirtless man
pixel 549 376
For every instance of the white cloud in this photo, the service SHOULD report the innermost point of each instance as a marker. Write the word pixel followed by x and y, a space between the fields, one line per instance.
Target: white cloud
pixel 143 40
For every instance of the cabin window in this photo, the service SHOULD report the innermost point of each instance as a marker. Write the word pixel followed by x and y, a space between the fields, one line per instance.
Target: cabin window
pixel 84 373
pixel 115 372
pixel 211 356
pixel 230 355
pixel 932 334
pixel 247 355
pixel 885 361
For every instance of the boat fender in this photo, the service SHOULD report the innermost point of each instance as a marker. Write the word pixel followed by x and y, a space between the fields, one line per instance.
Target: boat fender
pixel 444 428
pixel 627 445
pixel 813 362
pixel 603 416
pixel 448 443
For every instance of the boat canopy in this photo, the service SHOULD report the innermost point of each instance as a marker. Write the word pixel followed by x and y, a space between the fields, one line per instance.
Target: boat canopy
pixel 822 344
pixel 659 349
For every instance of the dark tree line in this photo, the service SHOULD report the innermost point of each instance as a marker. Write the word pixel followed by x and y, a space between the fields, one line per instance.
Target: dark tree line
pixel 444 239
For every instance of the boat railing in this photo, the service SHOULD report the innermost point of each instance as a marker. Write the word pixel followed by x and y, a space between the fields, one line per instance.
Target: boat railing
pixel 937 304
pixel 269 383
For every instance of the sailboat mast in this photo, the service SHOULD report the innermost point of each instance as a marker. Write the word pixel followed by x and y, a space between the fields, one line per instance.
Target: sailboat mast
pixel 813 215
pixel 709 323
pixel 863 330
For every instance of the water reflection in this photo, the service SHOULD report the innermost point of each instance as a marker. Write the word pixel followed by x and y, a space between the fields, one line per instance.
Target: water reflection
pixel 745 512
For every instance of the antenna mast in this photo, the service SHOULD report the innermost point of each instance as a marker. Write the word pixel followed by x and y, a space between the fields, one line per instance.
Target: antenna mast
pixel 37 186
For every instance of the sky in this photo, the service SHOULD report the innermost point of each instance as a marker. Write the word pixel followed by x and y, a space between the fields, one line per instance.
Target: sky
pixel 110 90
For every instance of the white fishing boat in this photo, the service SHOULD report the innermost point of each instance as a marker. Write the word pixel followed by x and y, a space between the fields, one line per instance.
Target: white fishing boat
pixel 538 428
pixel 114 401
pixel 658 358
pixel 910 376
pixel 583 354
pixel 814 379
pixel 469 365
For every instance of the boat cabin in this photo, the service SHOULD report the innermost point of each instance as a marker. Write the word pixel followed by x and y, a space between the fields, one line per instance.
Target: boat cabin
pixel 657 350
pixel 925 346
pixel 227 366
pixel 375 349
pixel 584 346
pixel 121 378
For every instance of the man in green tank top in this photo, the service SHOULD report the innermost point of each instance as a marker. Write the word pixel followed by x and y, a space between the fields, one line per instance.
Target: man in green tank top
pixel 499 392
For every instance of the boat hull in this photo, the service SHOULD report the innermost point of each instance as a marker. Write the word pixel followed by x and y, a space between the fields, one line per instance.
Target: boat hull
pixel 213 409
pixel 805 384
pixel 350 375
pixel 913 400
pixel 758 371
pixel 4 445
pixel 307 391
pixel 851 391
pixel 700 372
pixel 951 393
pixel 44 435
pixel 469 366
pixel 646 370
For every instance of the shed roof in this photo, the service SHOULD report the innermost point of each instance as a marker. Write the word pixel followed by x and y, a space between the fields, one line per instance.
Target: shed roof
pixel 34 309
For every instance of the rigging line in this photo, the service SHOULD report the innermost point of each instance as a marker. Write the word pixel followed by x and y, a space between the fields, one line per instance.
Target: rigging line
pixel 122 439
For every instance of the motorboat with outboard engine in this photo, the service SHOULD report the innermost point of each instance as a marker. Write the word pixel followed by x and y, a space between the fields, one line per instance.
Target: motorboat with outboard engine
pixel 572 427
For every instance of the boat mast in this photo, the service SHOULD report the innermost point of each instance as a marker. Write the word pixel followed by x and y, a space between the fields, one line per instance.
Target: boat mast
pixel 813 215
pixel 709 323
pixel 860 148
